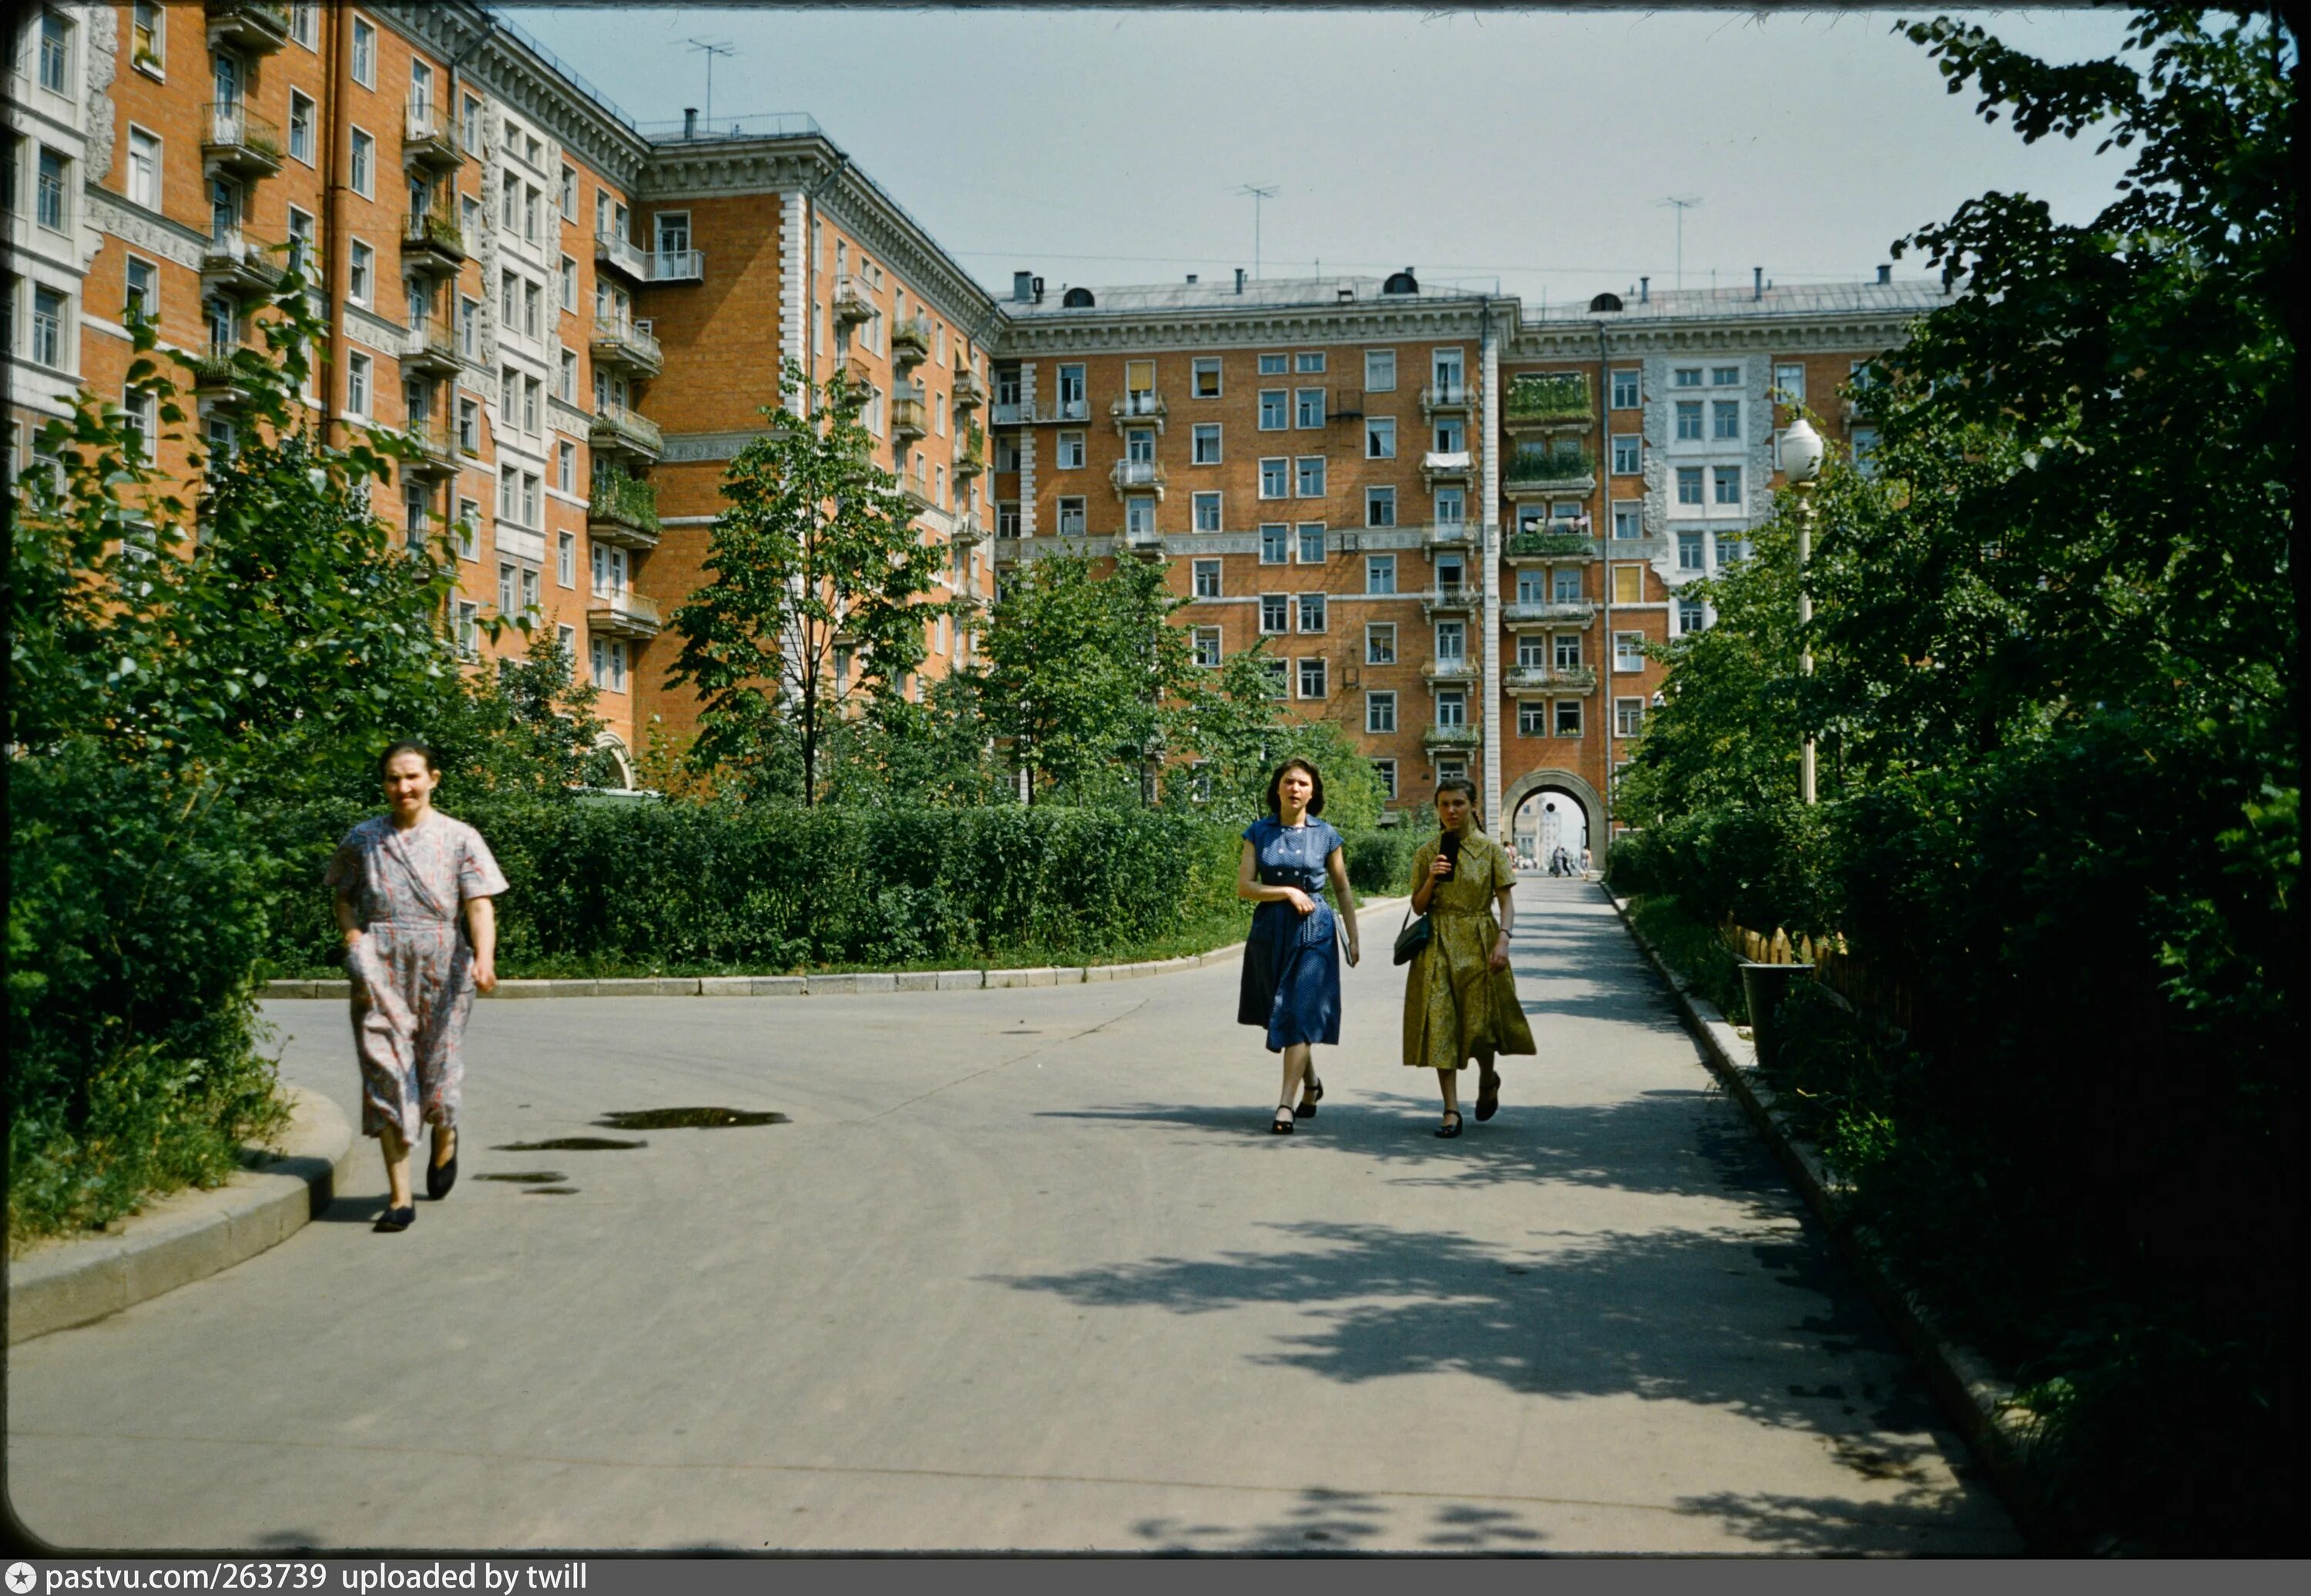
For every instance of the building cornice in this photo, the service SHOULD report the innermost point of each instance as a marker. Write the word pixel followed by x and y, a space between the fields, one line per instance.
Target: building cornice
pixel 1869 331
pixel 1264 327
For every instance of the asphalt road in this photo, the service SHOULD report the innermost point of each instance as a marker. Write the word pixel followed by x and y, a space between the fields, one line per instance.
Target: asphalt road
pixel 1024 1269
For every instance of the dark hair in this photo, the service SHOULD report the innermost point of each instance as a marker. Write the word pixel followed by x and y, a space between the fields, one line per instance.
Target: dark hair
pixel 1275 785
pixel 1462 784
pixel 407 746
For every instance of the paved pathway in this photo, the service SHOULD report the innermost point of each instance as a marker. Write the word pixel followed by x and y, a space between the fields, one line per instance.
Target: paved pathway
pixel 1024 1269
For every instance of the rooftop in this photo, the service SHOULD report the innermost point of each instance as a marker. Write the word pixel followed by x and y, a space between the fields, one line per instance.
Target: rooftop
pixel 1221 294
pixel 1808 299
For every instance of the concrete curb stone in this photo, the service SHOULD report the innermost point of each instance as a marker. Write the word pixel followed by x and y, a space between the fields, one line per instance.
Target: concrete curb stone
pixel 188 1235
pixel 1976 1399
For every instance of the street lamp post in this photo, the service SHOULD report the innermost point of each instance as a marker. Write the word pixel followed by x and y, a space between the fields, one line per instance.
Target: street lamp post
pixel 1801 464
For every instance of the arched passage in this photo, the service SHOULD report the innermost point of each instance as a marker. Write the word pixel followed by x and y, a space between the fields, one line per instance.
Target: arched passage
pixel 1532 784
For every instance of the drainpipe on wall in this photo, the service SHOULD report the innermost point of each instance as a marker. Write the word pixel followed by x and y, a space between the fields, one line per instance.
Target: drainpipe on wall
pixel 1488 535
pixel 1604 845
pixel 333 285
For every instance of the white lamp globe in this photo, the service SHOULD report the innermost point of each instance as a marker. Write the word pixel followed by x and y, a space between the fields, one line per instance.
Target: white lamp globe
pixel 1801 451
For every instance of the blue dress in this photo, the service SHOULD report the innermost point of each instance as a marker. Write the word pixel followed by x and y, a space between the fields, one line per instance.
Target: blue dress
pixel 1292 960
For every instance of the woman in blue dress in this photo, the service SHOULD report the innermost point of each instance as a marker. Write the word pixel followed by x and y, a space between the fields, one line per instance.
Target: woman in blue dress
pixel 1292 959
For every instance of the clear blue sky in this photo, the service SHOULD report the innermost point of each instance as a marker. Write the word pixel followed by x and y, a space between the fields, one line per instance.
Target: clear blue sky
pixel 1102 146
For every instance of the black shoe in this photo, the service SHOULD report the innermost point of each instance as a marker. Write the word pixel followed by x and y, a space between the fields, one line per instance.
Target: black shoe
pixel 1312 1096
pixel 440 1177
pixel 1281 1125
pixel 396 1219
pixel 1449 1131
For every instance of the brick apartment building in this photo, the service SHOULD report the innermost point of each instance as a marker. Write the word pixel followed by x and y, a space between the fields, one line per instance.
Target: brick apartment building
pixel 1454 519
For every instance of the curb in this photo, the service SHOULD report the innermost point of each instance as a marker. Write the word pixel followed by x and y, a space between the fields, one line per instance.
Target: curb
pixel 1977 1401
pixel 840 984
pixel 187 1235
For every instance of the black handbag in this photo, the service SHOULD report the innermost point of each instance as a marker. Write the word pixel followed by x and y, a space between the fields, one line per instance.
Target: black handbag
pixel 1411 936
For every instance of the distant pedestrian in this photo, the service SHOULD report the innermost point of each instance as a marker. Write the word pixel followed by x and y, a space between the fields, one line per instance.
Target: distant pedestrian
pixel 1459 998
pixel 1584 863
pixel 1292 959
pixel 402 881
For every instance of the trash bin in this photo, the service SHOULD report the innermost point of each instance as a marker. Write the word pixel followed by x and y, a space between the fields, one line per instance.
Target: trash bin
pixel 1763 988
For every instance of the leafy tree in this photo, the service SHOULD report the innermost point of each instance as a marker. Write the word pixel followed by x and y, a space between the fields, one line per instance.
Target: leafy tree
pixel 1241 732
pixel 814 556
pixel 936 754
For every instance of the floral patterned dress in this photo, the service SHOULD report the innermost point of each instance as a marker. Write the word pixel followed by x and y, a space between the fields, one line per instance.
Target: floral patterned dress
pixel 412 970
pixel 1456 1006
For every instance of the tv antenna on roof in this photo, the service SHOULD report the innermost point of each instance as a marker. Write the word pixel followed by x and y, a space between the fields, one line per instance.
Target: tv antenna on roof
pixel 1683 205
pixel 1258 193
pixel 713 47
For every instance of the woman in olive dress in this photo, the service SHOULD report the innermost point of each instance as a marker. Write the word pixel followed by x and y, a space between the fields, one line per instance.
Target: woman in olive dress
pixel 1292 959
pixel 1459 998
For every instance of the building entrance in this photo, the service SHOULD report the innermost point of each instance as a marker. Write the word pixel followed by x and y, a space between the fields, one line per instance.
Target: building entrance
pixel 1549 822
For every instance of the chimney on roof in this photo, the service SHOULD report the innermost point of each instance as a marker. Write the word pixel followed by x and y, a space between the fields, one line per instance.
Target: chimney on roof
pixel 1023 287
pixel 1644 291
pixel 1191 279
pixel 1239 279
pixel 1039 290
pixel 1885 273
pixel 1757 282
pixel 690 121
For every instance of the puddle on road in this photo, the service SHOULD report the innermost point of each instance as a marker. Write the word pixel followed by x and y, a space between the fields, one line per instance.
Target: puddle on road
pixel 528 1177
pixel 570 1144
pixel 686 1119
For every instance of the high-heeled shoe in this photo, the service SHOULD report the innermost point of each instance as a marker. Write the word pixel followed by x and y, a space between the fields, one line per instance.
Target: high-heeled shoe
pixel 1312 1096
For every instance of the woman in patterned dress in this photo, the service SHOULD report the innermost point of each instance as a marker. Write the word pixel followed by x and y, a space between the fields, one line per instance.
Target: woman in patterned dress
pixel 1460 998
pixel 1292 959
pixel 402 881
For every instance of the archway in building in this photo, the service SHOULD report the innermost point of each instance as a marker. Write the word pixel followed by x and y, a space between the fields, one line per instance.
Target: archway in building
pixel 612 766
pixel 1550 809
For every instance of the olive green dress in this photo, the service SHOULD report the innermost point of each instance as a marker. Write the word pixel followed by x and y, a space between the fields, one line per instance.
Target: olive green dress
pixel 1456 1006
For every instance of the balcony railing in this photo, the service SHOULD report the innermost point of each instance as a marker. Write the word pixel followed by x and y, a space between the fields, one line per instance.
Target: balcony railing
pixel 1541 469
pixel 968 529
pixel 854 299
pixel 1454 737
pixel 436 446
pixel 1461 668
pixel 916 485
pixel 1450 534
pixel 257 26
pixel 1525 546
pixel 215 375
pixel 615 252
pixel 429 136
pixel 1049 410
pixel 969 393
pixel 911 341
pixel 619 342
pixel 623 510
pixel 236 261
pixel 1561 400
pixel 971 454
pixel 624 613
pixel 1552 612
pixel 1446 465
pixel 1129 475
pixel 616 427
pixel 433 241
pixel 1456 597
pixel 431 345
pixel 909 416
pixel 234 139
pixel 1009 414
pixel 1444 397
pixel 678 266
pixel 1549 678
pixel 1141 405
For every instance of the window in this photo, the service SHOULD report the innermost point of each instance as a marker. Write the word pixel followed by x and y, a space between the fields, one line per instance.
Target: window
pixel 1379 575
pixel 300 126
pixel 1728 483
pixel 1725 419
pixel 1070 456
pixel 1274 671
pixel 1272 365
pixel 1628 584
pixel 1275 477
pixel 1312 611
pixel 1628 717
pixel 1007 453
pixel 1628 518
pixel 1452 642
pixel 360 277
pixel 1006 520
pixel 1380 643
pixel 1380 507
pixel 509 392
pixel 1205 445
pixel 1688 552
pixel 144 168
pixel 1312 677
pixel 1451 374
pixel 56 54
pixel 609 665
pixel 1566 650
pixel 1207 578
pixel 469 520
pixel 1380 438
pixel 1686 377
pixel 569 282
pixel 505 589
pixel 147 35
pixel 1624 390
pixel 469 426
pixel 364 164
pixel 1448 573
pixel 1688 484
pixel 529 198
pixel 1208 647
pixel 142 293
pixel 1310 480
pixel 1568 716
pixel 1628 651
pixel 508 298
pixel 509 200
pixel 1452 436
pixel 1273 403
pixel 1072 404
pixel 469 634
pixel 140 414
pixel 1203 378
pixel 565 467
pixel 1626 447
pixel 570 194
pixel 566 377
pixel 1688 420
pixel 509 505
pixel 1865 451
pixel 1308 407
pixel 49 200
pixel 1207 508
pixel 1452 507
pixel 1309 360
pixel 1275 544
pixel 1380 714
pixel 1312 543
pixel 364 54
pixel 357 368
pixel 533 306
pixel 1725 376
pixel 1732 551
pixel 1532 587
pixel 1532 719
pixel 304 22
pixel 1690 617
pixel 529 486
pixel 469 327
pixel 1789 384
pixel 1071 518
pixel 1452 708
pixel 1380 370
pixel 1275 613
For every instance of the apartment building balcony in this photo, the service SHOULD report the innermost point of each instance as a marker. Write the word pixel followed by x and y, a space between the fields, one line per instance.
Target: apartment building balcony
pixel 433 241
pixel 620 346
pixel 1052 410
pixel 429 137
pixel 678 266
pixel 910 342
pixel 432 347
pixel 1138 408
pixel 970 455
pixel 621 257
pixel 1548 471
pixel 624 431
pixel 1345 403
pixel 969 532
pixel 625 614
pixel 1549 404
pixel 1449 671
pixel 1536 548
pixel 909 416
pixel 1444 398
pixel 1011 414
pixel 1148 543
pixel 236 263
pixel 1136 476
pixel 237 142
pixel 623 510
pixel 970 392
pixel 1450 534
pixel 257 27
pixel 854 299
pixel 215 376
pixel 1527 613
pixel 1526 680
pixel 1442 738
pixel 436 448
pixel 856 380
pixel 1455 600
pixel 917 486
pixel 1442 466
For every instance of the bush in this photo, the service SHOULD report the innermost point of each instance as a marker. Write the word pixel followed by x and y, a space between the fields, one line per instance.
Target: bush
pixel 1380 861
